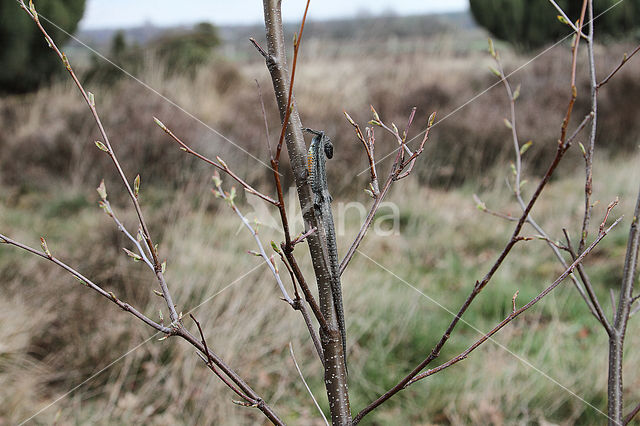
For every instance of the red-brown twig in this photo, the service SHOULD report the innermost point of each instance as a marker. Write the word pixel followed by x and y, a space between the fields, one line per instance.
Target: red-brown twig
pixel 515 312
pixel 289 244
pixel 335 368
pixel 574 63
pixel 208 360
pixel 415 375
pixel 300 238
pixel 296 47
pixel 563 146
pixel 88 283
pixel 625 58
pixel 369 146
pixel 631 414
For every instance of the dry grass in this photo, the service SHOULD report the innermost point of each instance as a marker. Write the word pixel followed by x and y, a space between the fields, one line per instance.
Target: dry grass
pixel 57 334
pixel 61 334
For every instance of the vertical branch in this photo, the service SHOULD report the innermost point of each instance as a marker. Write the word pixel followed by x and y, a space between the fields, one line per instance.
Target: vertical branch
pixel 616 341
pixel 588 155
pixel 275 57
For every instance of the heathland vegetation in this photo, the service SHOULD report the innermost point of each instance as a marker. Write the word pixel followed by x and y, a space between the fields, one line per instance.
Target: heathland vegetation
pixel 548 366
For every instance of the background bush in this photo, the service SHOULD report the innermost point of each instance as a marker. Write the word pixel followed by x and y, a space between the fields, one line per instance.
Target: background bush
pixel 26 61
pixel 532 23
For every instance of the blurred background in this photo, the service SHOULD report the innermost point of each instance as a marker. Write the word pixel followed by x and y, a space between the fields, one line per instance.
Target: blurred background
pixel 191 65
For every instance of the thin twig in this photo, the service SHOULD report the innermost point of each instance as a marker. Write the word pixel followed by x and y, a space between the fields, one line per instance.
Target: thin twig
pixel 567 20
pixel 106 206
pixel 589 287
pixel 625 58
pixel 262 253
pixel 512 96
pixel 335 369
pixel 220 164
pixel 293 357
pixel 589 152
pixel 399 170
pixel 90 101
pixel 562 147
pixel 414 375
pixel 296 48
pixel 369 146
pixel 515 312
pixel 631 415
pixel 87 282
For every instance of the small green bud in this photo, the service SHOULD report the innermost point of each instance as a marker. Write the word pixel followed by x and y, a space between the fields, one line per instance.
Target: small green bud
pixel 43 244
pixel 65 61
pixel 222 163
pixel 349 119
pixel 432 119
pixel 516 94
pixel 102 190
pixel 160 124
pixel 136 186
pixel 524 148
pixel 134 256
pixel 105 207
pixel 32 9
pixel 375 113
pixel 101 146
pixel 216 179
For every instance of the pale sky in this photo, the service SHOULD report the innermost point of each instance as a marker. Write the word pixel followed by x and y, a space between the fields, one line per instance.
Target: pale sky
pixel 127 13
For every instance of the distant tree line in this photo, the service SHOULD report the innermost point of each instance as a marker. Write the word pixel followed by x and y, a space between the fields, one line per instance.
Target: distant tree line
pixel 180 51
pixel 26 64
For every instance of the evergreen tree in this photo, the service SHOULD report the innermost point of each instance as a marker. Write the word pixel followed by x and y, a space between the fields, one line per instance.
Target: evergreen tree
pixel 528 24
pixel 26 60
